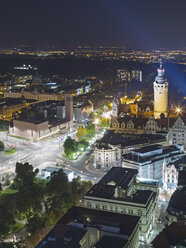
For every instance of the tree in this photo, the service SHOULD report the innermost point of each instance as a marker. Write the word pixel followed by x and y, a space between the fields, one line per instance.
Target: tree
pixel 90 129
pixel 58 183
pixel 25 175
pixel 7 182
pixel 104 123
pixel 70 147
pixel 79 188
pixel 6 221
pixel 2 147
pixel 1 188
pixel 34 223
pixel 81 133
pixel 82 145
pixel 29 201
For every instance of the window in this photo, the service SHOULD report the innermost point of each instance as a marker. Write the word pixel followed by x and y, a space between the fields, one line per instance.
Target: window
pixel 139 212
pixel 130 211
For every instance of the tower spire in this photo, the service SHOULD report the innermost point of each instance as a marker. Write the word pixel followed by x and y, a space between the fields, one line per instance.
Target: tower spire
pixel 161 64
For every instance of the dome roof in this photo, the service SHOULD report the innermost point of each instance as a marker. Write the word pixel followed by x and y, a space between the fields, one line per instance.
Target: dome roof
pixel 160 77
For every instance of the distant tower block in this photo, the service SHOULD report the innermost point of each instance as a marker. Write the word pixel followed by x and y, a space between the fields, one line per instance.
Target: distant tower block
pixel 69 107
pixel 160 94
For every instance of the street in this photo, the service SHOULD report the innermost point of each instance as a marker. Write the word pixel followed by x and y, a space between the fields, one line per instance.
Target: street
pixel 43 153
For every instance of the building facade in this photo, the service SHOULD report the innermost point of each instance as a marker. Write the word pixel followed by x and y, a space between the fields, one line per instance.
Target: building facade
pixel 160 94
pixel 85 228
pixel 109 150
pixel 121 192
pixel 149 160
pixel 34 96
pixel 169 177
pixel 177 133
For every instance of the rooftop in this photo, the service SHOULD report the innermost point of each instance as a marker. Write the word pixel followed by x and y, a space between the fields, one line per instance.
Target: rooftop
pixel 121 178
pixel 168 151
pixel 182 177
pixel 33 121
pixel 171 236
pixel 177 203
pixel 126 140
pixel 110 242
pixel 72 227
pixel 62 236
pixel 96 218
pixel 146 149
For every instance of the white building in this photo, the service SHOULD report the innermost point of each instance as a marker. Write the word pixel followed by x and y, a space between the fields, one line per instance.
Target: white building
pixel 160 94
pixel 149 159
pixel 46 173
pixel 108 151
pixel 177 133
pixel 119 191
pixel 169 177
pixel 107 156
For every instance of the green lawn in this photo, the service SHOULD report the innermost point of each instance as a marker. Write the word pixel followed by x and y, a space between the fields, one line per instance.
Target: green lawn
pixel 6 192
pixel 10 151
pixel 42 182
pixel 17 227
pixel 17 137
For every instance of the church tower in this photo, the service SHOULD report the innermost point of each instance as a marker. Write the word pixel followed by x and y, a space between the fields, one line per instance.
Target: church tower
pixel 160 94
pixel 115 108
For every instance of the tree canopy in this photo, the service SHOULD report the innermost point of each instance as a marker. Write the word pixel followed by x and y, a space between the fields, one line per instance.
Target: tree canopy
pixel 2 147
pixel 25 175
pixel 81 133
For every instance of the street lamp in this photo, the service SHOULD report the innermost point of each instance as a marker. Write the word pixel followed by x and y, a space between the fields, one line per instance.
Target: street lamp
pixel 178 110
pixel 96 121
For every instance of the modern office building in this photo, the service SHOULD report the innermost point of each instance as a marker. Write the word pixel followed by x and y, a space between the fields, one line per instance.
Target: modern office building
pixel 149 159
pixel 36 129
pixel 123 75
pixel 120 191
pixel 136 75
pixel 88 228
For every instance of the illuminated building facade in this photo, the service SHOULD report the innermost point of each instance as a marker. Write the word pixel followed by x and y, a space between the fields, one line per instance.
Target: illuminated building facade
pixel 136 75
pixel 120 191
pixel 123 75
pixel 149 160
pixel 160 94
pixel 169 177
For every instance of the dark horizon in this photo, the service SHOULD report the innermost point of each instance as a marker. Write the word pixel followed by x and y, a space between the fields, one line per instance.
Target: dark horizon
pixel 130 23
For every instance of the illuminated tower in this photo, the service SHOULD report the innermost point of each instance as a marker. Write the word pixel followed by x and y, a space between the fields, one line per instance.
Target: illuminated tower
pixel 160 94
pixel 115 108
pixel 69 107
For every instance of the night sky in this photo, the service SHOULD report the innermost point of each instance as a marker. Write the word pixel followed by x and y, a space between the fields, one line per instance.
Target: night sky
pixel 127 23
